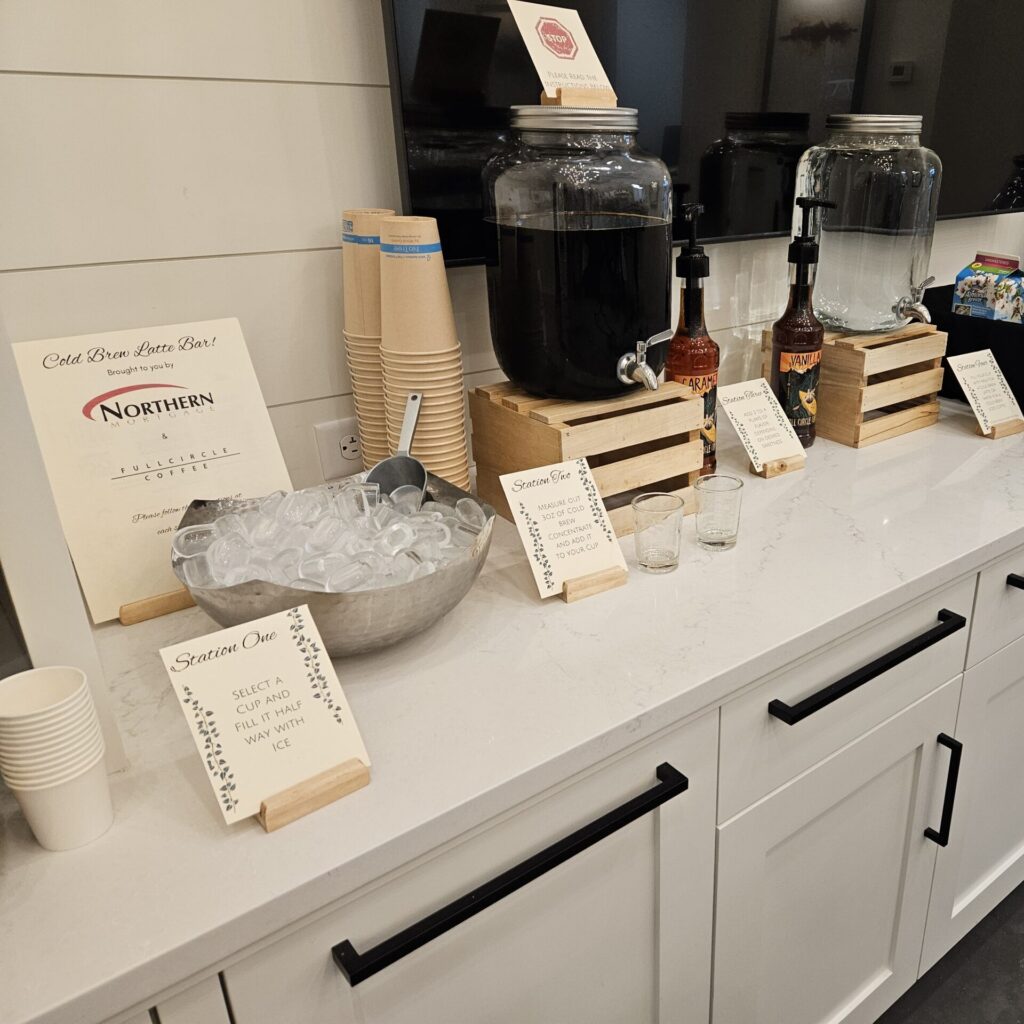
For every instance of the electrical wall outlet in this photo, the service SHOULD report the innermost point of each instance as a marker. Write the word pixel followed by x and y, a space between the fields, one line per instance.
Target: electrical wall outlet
pixel 337 444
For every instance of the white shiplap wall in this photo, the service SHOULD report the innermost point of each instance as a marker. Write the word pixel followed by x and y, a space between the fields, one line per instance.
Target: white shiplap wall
pixel 166 162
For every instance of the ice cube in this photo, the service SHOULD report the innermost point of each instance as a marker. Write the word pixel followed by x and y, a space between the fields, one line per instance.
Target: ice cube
pixel 229 552
pixel 436 506
pixel 193 540
pixel 348 577
pixel 266 531
pixel 325 534
pixel 298 507
pixel 407 499
pixel 321 567
pixel 394 538
pixel 268 506
pixel 303 584
pixel 284 566
pixel 196 571
pixel 231 523
pixel 425 568
pixel 471 513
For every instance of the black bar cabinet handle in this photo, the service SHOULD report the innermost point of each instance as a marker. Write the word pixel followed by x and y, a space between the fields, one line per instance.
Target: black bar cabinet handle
pixel 949 622
pixel 1015 581
pixel 956 749
pixel 358 967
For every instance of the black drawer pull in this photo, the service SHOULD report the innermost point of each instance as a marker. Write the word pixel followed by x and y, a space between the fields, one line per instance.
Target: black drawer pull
pixel 949 622
pixel 358 967
pixel 1014 580
pixel 956 749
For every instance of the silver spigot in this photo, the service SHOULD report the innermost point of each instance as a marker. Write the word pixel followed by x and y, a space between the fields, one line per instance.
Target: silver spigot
pixel 633 367
pixel 910 307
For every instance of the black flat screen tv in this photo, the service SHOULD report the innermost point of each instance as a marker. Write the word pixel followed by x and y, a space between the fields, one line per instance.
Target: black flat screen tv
pixel 729 93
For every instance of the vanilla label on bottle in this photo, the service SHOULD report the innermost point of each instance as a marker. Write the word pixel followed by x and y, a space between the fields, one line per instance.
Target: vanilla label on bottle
pixel 705 385
pixel 798 386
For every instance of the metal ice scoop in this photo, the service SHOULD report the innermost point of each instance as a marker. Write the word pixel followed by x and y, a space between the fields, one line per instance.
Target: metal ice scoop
pixel 402 470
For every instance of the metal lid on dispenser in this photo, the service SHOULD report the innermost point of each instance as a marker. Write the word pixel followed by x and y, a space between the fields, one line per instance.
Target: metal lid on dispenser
pixel 876 124
pixel 574 119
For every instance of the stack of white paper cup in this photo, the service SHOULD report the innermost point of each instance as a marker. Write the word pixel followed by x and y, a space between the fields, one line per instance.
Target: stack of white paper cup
pixel 361 266
pixel 51 756
pixel 419 347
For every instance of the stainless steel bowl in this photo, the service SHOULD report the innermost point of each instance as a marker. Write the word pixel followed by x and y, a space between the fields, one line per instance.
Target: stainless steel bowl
pixel 366 620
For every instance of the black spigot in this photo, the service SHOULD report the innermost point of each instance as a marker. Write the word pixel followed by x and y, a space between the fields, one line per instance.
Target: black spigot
pixel 692 262
pixel 803 250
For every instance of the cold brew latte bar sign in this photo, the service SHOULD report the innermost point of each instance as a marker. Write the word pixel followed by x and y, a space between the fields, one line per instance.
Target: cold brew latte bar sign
pixel 562 522
pixel 264 706
pixel 133 425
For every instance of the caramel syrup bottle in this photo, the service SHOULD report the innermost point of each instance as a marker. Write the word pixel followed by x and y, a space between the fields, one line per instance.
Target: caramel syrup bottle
pixel 692 355
pixel 797 335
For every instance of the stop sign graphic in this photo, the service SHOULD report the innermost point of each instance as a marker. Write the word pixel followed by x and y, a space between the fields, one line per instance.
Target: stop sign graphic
pixel 556 38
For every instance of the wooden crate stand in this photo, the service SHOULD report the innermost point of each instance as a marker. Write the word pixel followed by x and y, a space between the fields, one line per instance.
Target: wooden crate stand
pixel 876 386
pixel 640 441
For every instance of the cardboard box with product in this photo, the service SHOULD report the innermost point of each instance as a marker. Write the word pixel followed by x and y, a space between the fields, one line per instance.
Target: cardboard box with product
pixel 992 287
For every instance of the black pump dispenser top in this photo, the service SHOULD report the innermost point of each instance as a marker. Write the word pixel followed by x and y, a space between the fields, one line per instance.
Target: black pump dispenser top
pixel 803 250
pixel 692 263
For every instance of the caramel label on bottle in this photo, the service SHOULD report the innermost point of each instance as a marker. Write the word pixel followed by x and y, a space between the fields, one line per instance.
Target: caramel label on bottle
pixel 705 384
pixel 798 386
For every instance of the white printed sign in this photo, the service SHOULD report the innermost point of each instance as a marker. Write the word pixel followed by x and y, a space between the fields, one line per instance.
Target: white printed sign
pixel 562 522
pixel 559 47
pixel 264 706
pixel 762 426
pixel 134 425
pixel 986 388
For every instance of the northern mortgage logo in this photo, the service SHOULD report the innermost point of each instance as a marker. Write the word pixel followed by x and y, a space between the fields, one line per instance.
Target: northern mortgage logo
pixel 115 407
pixel 557 38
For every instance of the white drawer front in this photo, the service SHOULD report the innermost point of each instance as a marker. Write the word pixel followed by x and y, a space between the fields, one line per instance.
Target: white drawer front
pixel 761 752
pixel 999 611
pixel 621 931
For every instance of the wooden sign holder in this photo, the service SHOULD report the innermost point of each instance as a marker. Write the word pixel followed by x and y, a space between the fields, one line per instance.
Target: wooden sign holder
pixel 779 466
pixel 1005 428
pixel 153 607
pixel 593 583
pixel 580 98
pixel 311 794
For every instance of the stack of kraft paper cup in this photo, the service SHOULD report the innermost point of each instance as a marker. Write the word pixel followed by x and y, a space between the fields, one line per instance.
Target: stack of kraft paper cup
pixel 51 756
pixel 419 347
pixel 361 269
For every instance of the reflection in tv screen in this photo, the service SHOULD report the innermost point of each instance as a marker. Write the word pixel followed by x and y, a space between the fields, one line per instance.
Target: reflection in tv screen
pixel 730 93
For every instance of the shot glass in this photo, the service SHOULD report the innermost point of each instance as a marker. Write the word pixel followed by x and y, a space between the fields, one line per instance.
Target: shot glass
pixel 658 522
pixel 718 511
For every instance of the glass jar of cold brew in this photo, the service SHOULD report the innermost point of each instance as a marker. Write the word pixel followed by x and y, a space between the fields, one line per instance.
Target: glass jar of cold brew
pixel 876 243
pixel 579 249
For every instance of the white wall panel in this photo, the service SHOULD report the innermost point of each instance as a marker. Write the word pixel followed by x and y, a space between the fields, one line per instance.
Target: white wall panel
pixel 296 40
pixel 289 304
pixel 106 169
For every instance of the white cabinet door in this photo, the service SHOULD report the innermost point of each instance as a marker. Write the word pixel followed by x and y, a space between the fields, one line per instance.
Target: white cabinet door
pixel 619 932
pixel 823 884
pixel 201 1004
pixel 984 860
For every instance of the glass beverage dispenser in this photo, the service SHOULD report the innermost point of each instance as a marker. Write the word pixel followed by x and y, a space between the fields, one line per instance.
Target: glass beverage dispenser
pixel 579 250
pixel 876 244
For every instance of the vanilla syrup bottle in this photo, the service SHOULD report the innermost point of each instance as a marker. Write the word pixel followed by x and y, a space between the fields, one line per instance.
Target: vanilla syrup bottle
pixel 692 355
pixel 797 335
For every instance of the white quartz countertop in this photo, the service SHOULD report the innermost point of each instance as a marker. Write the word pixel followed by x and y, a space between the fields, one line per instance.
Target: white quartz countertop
pixel 504 697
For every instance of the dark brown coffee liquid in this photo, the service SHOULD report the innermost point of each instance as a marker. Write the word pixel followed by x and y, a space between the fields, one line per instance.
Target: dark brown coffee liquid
pixel 565 304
